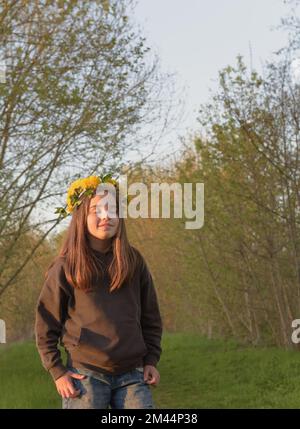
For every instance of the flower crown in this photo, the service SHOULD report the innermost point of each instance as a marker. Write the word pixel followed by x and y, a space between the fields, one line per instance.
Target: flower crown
pixel 82 187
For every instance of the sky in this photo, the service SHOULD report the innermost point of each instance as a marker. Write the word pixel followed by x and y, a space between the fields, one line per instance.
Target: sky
pixel 197 38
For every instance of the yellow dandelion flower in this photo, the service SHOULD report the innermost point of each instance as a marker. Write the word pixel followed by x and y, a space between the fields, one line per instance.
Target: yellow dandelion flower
pixel 80 186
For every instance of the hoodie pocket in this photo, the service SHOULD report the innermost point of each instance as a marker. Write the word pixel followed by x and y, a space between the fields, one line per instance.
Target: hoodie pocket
pixel 71 335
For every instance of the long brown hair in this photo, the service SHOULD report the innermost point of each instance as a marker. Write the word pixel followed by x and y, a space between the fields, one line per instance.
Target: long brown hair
pixel 80 261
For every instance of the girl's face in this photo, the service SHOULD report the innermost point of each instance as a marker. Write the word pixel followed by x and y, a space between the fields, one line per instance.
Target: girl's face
pixel 99 223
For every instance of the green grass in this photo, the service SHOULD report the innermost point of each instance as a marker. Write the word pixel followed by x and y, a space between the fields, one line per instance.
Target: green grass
pixel 195 373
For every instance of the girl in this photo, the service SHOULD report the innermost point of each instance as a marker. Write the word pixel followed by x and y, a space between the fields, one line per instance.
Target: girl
pixel 98 300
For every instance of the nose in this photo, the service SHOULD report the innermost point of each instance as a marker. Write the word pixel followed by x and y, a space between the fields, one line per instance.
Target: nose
pixel 102 212
pixel 105 215
pixel 105 210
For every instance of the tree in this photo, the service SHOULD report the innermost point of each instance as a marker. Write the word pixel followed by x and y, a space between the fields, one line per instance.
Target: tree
pixel 76 88
pixel 247 155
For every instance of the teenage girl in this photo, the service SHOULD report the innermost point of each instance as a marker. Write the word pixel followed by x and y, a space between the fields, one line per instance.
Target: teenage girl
pixel 98 300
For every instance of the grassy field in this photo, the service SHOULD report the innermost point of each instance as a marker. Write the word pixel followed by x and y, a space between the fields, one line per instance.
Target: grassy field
pixel 195 373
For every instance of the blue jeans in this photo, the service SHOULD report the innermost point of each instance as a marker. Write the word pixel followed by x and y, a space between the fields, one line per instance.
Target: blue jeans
pixel 102 391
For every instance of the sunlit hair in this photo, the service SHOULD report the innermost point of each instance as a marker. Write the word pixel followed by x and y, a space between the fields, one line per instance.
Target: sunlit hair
pixel 81 263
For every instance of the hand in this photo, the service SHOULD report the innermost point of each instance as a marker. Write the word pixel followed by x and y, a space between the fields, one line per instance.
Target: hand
pixel 151 375
pixel 64 384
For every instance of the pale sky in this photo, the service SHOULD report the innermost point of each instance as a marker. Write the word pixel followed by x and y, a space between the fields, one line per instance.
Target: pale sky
pixel 197 38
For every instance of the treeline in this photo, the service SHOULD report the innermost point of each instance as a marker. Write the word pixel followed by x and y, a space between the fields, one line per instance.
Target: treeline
pixel 237 276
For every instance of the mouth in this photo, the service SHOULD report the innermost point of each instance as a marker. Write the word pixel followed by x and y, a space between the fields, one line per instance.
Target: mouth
pixel 105 226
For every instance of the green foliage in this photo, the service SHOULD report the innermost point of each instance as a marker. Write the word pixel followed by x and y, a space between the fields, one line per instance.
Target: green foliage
pixel 66 116
pixel 249 163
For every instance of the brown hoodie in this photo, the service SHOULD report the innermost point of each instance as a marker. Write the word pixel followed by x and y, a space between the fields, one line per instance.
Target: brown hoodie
pixel 101 331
